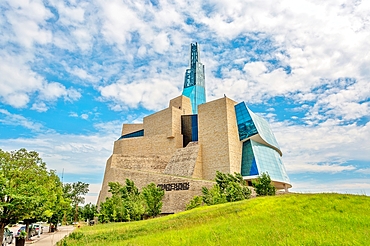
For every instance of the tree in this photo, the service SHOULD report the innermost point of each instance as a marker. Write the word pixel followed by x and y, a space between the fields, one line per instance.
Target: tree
pixel 263 185
pixel 153 199
pixel 75 192
pixel 126 203
pixel 28 191
pixel 89 211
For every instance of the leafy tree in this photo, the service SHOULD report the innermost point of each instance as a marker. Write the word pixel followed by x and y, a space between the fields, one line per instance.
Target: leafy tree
pixel 153 199
pixel 194 203
pixel 28 191
pixel 263 185
pixel 126 203
pixel 62 203
pixel 89 211
pixel 75 192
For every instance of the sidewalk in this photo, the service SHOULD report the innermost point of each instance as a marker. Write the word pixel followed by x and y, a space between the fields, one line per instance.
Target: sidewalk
pixel 50 239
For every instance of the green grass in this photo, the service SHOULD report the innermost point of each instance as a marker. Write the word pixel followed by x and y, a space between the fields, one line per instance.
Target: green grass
pixel 294 219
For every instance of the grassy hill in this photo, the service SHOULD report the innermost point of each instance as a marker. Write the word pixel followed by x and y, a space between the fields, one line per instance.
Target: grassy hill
pixel 294 219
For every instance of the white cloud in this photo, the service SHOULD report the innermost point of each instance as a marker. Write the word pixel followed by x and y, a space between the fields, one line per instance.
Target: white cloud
pixel 74 153
pixel 18 120
pixel 73 114
pixel 17 80
pixel 19 84
pixel 319 168
pixel 81 73
pixel 40 107
pixel 27 19
pixel 54 90
pixel 363 170
pixel 352 186
pixel 322 148
pixel 92 195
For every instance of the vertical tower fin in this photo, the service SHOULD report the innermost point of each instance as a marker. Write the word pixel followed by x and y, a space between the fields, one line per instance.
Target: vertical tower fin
pixel 194 81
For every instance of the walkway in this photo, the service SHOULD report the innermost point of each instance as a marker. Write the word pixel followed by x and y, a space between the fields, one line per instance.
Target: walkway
pixel 50 239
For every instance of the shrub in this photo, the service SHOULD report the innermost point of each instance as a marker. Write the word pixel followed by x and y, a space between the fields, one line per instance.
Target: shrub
pixel 263 185
pixel 194 203
pixel 228 188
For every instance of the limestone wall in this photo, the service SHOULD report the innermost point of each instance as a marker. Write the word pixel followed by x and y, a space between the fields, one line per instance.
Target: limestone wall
pixel 128 128
pixel 183 103
pixel 218 136
pixel 183 161
pixel 212 129
pixel 167 122
pixel 152 145
pixel 235 145
pixel 149 163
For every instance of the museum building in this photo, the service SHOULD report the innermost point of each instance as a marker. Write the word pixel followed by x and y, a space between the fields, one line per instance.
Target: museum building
pixel 180 148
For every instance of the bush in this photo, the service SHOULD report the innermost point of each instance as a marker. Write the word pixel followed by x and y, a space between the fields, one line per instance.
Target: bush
pixel 228 188
pixel 194 203
pixel 263 186
pixel 213 196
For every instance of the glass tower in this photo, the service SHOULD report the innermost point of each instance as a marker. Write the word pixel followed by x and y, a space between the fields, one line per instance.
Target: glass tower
pixel 194 82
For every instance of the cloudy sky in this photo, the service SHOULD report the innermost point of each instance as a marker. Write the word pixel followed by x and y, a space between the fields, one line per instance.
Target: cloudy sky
pixel 71 72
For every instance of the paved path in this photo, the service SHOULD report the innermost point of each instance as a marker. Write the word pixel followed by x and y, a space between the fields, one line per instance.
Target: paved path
pixel 49 239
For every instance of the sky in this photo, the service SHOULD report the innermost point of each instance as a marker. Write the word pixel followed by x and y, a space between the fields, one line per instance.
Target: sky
pixel 72 72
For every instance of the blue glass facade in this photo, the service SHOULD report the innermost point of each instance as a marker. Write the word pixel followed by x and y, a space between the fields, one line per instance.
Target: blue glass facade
pixel 194 81
pixel 268 160
pixel 249 165
pixel 139 133
pixel 260 151
pixel 250 124
pixel 197 95
pixel 246 125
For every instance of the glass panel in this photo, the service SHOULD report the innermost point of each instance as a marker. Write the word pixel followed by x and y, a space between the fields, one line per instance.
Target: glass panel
pixel 194 80
pixel 249 166
pixel 268 160
pixel 263 129
pixel 139 133
pixel 250 124
pixel 245 123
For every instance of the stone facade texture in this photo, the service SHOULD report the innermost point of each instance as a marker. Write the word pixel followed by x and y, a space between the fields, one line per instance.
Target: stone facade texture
pixel 128 128
pixel 183 161
pixel 218 135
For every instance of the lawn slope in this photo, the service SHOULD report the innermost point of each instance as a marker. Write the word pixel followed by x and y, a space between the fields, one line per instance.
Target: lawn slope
pixel 293 219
